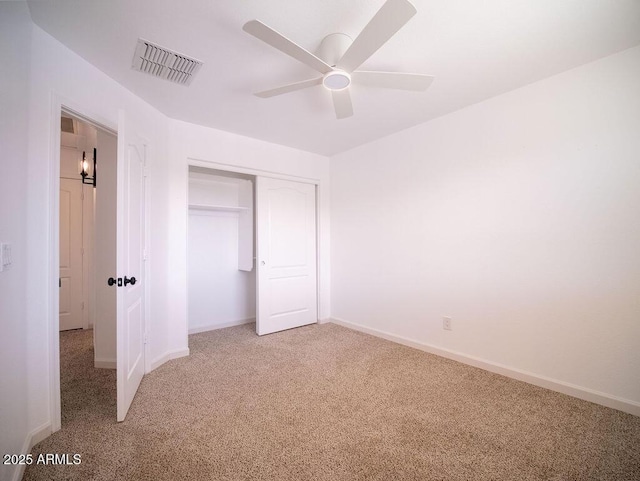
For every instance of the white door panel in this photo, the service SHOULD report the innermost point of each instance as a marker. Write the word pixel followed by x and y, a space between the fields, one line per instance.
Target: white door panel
pixel 130 262
pixel 70 254
pixel 135 335
pixel 286 240
pixel 105 258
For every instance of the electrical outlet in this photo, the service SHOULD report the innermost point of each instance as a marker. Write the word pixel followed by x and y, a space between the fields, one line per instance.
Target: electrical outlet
pixel 446 323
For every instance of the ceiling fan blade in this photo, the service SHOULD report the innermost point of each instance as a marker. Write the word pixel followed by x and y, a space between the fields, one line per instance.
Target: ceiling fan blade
pixel 342 103
pixel 289 88
pixel 393 80
pixel 389 19
pixel 282 43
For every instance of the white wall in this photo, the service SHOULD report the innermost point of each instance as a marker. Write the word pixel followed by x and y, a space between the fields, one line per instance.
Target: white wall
pixel 518 217
pixel 196 144
pixel 14 58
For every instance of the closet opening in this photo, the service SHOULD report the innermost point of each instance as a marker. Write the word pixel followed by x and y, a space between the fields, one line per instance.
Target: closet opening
pixel 221 250
pixel 252 253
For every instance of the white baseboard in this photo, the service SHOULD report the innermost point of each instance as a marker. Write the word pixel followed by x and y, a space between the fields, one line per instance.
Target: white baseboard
pixel 40 434
pixel 586 394
pixel 213 327
pixel 34 437
pixel 105 364
pixel 168 356
pixel 325 321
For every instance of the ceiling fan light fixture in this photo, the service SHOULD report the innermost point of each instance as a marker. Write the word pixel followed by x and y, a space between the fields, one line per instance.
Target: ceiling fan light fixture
pixel 338 57
pixel 336 80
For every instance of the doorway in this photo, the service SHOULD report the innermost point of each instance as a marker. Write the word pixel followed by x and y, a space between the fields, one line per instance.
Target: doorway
pixel 87 255
pixel 123 182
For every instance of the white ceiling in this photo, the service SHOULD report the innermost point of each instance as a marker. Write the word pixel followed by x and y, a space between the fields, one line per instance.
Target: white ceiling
pixel 475 49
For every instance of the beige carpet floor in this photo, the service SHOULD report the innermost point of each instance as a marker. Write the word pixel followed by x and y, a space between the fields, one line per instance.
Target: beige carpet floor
pixel 326 403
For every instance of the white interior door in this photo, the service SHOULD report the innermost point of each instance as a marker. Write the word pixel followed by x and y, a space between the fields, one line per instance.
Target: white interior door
pixel 105 259
pixel 71 293
pixel 286 253
pixel 130 234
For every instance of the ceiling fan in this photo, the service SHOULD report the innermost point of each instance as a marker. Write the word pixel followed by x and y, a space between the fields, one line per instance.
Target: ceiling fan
pixel 338 57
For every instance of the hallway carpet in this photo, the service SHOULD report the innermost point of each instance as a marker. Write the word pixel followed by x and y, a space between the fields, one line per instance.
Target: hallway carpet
pixel 326 403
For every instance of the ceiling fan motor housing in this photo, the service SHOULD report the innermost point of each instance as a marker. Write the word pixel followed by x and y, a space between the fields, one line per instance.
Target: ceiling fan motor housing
pixel 331 50
pixel 333 47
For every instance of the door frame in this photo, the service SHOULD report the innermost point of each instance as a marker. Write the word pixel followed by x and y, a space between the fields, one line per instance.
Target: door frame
pixel 59 105
pixel 235 169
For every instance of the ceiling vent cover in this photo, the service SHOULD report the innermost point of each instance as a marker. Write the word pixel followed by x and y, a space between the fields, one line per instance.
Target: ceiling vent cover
pixel 67 125
pixel 164 63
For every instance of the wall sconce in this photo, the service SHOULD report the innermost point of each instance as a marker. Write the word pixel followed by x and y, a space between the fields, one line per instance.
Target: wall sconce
pixel 86 179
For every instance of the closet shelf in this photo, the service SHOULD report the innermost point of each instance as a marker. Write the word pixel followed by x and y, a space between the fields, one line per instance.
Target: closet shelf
pixel 223 208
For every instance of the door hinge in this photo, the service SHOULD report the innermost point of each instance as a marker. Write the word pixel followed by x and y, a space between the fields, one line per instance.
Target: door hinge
pixel 146 338
pixel 82 194
pixel 83 305
pixel 144 254
pixel 82 250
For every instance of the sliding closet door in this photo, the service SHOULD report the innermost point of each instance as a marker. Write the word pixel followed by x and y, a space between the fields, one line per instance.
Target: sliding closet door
pixel 286 254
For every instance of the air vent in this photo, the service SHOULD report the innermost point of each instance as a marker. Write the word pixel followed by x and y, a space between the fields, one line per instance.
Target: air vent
pixel 164 63
pixel 66 125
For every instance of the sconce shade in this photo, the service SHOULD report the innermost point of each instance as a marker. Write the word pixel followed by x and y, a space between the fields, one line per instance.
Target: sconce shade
pixel 86 178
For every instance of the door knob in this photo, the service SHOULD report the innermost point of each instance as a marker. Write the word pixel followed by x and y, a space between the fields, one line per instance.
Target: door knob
pixel 131 281
pixel 111 281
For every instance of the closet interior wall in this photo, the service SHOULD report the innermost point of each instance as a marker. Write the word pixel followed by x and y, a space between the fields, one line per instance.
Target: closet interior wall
pixel 221 276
